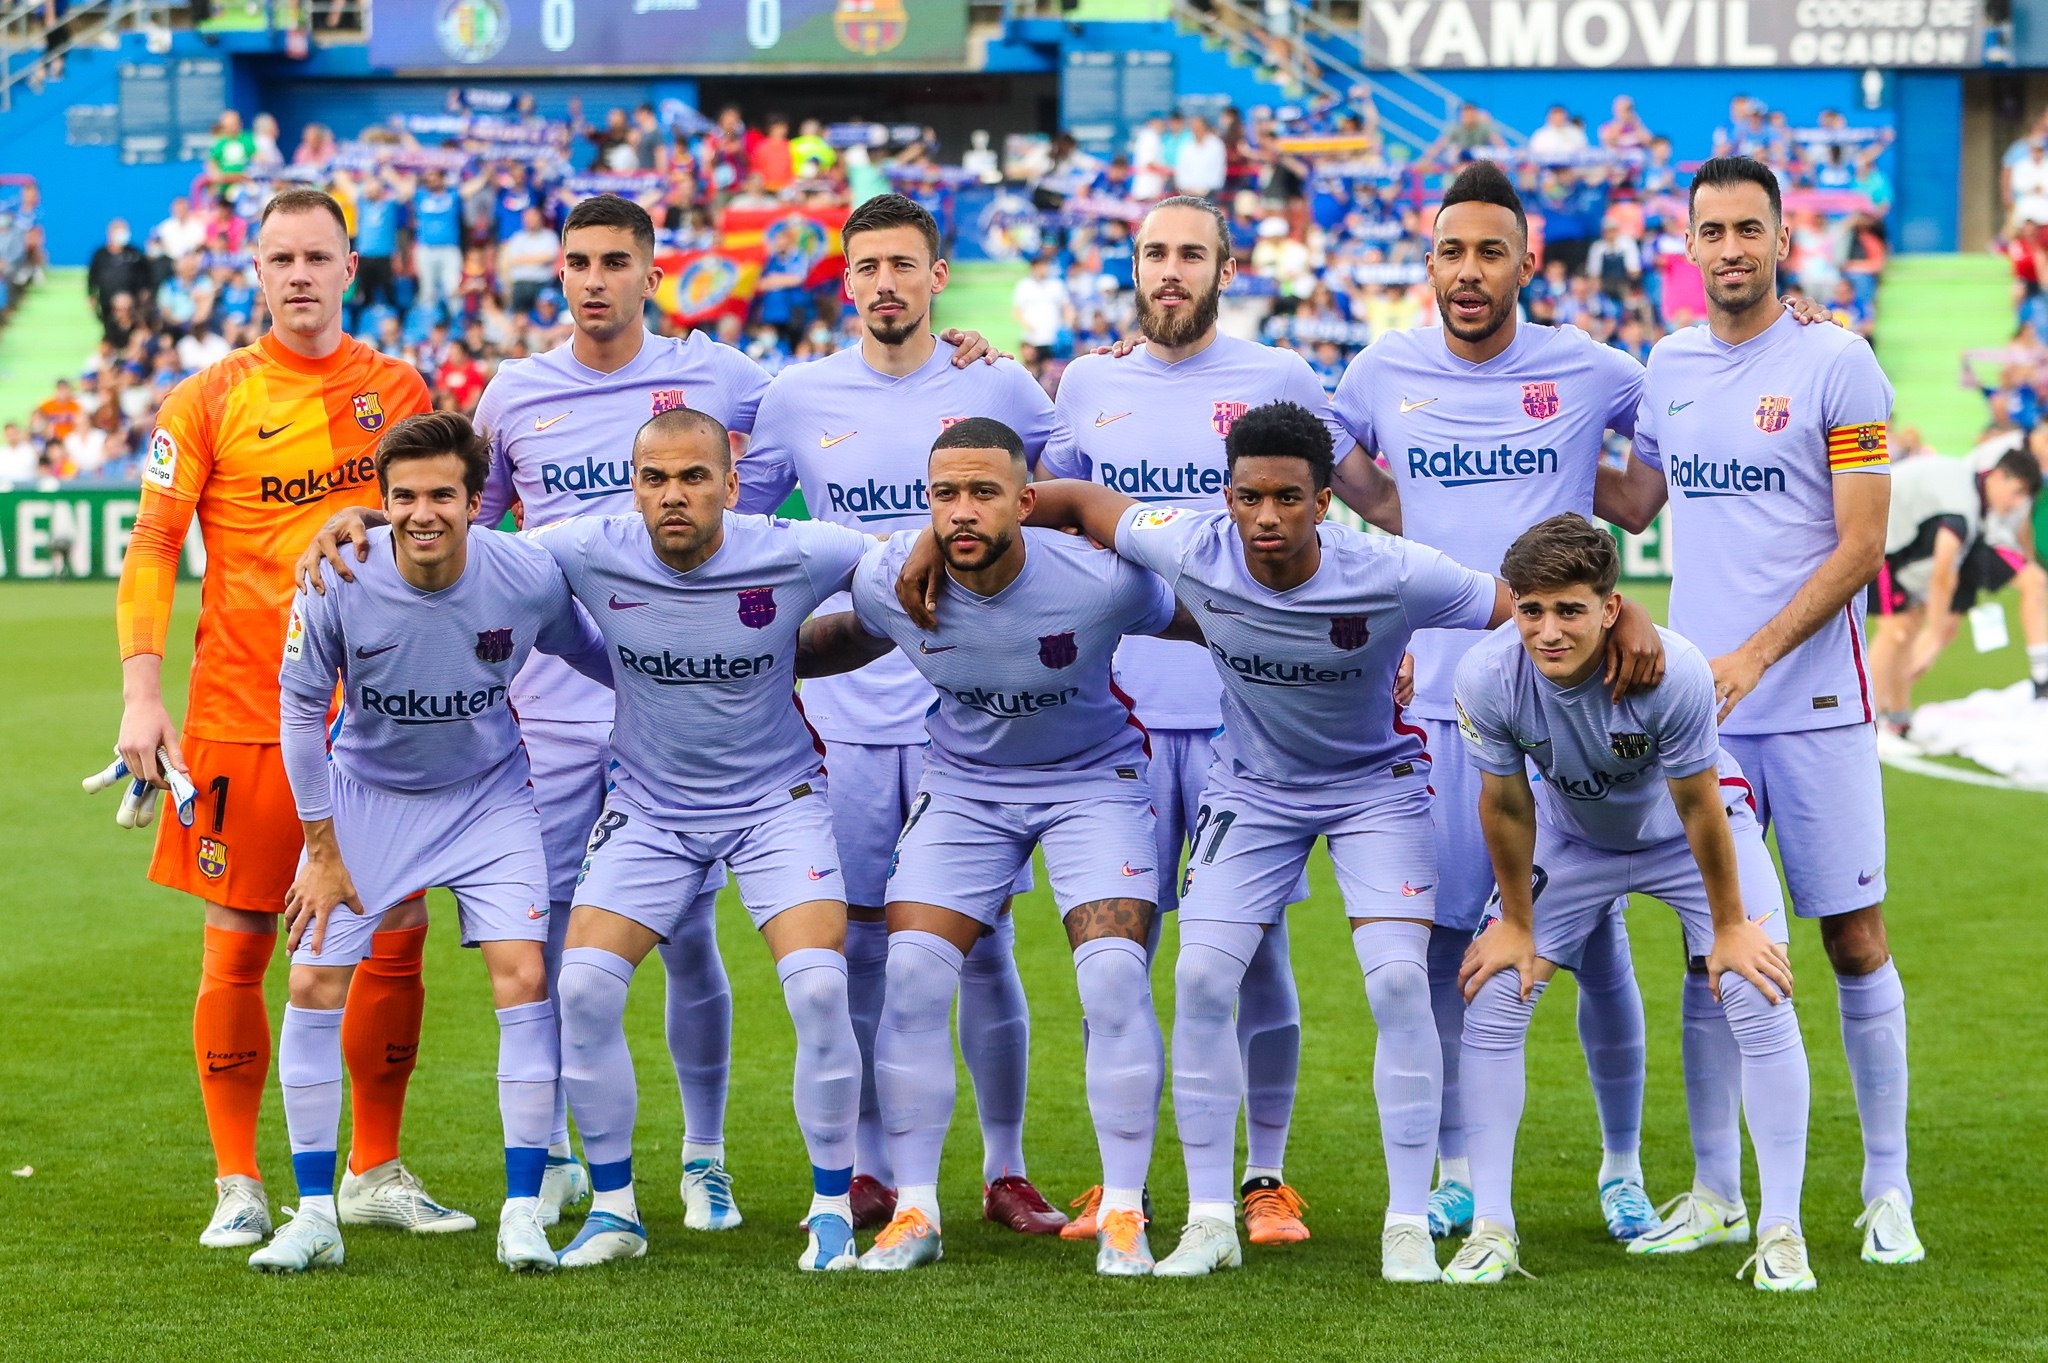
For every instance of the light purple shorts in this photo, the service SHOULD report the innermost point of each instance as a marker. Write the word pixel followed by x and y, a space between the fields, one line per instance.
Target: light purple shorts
pixel 653 875
pixel 1248 848
pixel 1464 879
pixel 1180 768
pixel 1822 791
pixel 964 854
pixel 480 839
pixel 871 788
pixel 1576 886
pixel 569 761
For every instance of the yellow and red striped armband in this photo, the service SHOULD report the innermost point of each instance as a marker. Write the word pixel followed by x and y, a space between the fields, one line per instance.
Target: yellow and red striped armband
pixel 1857 447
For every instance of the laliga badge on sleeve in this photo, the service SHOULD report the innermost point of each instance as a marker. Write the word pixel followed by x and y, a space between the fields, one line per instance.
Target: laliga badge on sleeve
pixel 1987 627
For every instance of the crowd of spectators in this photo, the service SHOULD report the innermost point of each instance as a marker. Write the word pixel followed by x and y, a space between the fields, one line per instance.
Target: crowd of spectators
pixel 454 216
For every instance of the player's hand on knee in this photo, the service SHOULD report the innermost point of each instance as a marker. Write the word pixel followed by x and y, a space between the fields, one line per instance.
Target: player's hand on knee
pixel 145 727
pixel 1502 946
pixel 917 590
pixel 321 884
pixel 1749 951
pixel 1635 652
pixel 344 526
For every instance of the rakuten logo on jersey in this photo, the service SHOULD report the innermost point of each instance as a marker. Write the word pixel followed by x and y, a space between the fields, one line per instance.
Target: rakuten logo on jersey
pixel 1594 787
pixel 313 485
pixel 1013 704
pixel 1697 477
pixel 423 707
pixel 589 480
pixel 1460 466
pixel 1264 671
pixel 668 669
pixel 1150 482
pixel 874 500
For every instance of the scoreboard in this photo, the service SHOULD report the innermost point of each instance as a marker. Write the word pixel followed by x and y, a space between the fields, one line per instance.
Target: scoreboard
pixel 675 35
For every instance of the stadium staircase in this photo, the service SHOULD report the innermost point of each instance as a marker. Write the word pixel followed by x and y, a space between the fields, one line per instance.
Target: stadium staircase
pixel 1323 58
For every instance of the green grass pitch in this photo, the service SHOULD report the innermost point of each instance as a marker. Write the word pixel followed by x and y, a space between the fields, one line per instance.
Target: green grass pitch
pixel 99 1258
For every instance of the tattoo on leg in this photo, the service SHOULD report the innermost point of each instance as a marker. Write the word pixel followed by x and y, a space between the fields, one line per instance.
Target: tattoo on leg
pixel 1109 918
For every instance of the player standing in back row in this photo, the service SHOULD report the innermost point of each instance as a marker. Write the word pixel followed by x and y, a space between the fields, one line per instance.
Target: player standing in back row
pixel 259 447
pixel 1489 424
pixel 1769 440
pixel 1152 425
pixel 855 431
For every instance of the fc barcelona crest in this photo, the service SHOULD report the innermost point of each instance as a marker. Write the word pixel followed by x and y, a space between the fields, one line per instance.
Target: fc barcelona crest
pixel 1224 415
pixel 1539 400
pixel 369 408
pixel 1629 747
pixel 1058 650
pixel 493 645
pixel 757 607
pixel 1349 631
pixel 1773 414
pixel 213 858
pixel 665 400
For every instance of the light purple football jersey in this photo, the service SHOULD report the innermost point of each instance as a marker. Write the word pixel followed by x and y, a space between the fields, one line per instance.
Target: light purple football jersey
pixel 1604 763
pixel 1155 431
pixel 1308 674
pixel 1481 452
pixel 859 443
pixel 561 437
pixel 1741 435
pixel 1027 711
pixel 426 676
pixel 709 734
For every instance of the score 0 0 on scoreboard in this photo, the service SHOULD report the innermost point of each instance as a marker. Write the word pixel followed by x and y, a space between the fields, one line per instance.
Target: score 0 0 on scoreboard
pixel 671 34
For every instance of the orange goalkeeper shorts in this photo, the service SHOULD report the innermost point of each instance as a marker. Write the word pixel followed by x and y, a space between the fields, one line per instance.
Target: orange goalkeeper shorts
pixel 242 849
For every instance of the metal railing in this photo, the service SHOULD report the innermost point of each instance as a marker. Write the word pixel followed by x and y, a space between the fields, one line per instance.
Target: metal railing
pixel 1246 28
pixel 32 49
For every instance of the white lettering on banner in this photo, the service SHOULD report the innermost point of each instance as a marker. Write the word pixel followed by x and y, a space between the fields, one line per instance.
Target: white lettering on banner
pixel 88 535
pixel 1596 34
pixel 1661 28
pixel 1603 16
pixel 1525 34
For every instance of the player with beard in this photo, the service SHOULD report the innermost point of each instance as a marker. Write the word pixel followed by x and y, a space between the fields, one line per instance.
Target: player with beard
pixel 1152 424
pixel 1763 434
pixel 854 431
pixel 561 425
pixel 1487 426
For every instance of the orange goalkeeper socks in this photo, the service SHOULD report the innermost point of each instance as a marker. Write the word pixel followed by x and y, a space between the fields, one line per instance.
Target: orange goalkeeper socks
pixel 380 1037
pixel 231 1042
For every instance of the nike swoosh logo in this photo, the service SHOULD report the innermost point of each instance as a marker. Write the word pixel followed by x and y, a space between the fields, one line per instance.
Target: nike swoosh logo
pixel 1675 408
pixel 1218 610
pixel 619 605
pixel 539 425
pixel 264 433
pixel 214 1067
pixel 816 874
pixel 1407 406
pixel 1138 872
pixel 373 652
pixel 1880 1246
pixel 826 442
pixel 1865 877
pixel 927 649
pixel 1102 420
pixel 1410 891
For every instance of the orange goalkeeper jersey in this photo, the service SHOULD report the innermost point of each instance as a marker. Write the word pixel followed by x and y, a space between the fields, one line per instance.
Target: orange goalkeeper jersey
pixel 262 446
